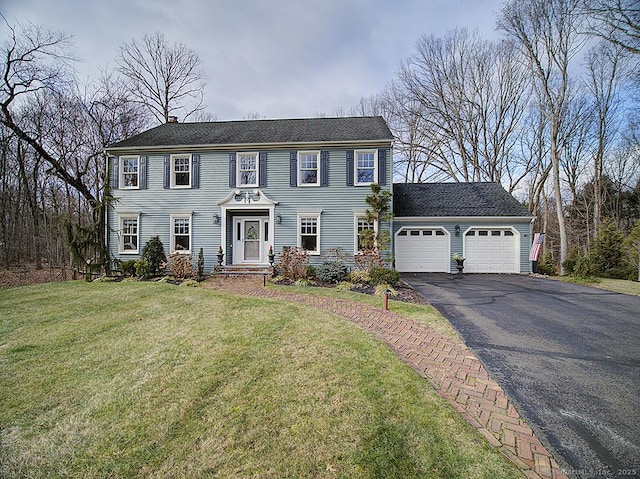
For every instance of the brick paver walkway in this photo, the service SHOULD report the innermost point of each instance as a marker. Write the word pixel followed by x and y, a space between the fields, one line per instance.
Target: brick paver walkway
pixel 454 371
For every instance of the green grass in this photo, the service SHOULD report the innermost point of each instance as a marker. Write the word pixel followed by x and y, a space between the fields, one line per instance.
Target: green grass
pixel 152 380
pixel 423 313
pixel 615 285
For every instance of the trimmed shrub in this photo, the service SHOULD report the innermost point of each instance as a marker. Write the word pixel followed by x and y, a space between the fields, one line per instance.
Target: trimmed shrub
pixel 384 276
pixel 153 253
pixel 332 272
pixel 142 268
pixel 128 268
pixel 360 277
pixel 201 263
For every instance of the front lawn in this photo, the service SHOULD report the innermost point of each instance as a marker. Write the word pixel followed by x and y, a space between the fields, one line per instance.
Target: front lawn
pixel 153 380
pixel 615 285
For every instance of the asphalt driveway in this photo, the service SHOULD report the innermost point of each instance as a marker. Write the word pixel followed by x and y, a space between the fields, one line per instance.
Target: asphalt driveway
pixel 568 356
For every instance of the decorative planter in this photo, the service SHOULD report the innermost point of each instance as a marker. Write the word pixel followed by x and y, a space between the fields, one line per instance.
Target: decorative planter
pixel 272 258
pixel 460 265
pixel 220 258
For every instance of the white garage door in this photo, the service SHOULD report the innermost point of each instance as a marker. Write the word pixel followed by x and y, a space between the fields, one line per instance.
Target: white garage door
pixel 423 250
pixel 491 250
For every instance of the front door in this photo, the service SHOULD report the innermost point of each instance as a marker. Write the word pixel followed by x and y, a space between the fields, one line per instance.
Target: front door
pixel 249 240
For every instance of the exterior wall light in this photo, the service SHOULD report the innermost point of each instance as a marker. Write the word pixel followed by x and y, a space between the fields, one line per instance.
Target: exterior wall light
pixel 278 219
pixel 457 230
pixel 216 219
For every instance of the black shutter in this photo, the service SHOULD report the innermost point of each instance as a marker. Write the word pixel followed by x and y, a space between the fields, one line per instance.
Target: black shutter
pixel 262 173
pixel 195 170
pixel 167 172
pixel 293 169
pixel 232 170
pixel 114 176
pixel 142 172
pixel 324 168
pixel 349 167
pixel 382 167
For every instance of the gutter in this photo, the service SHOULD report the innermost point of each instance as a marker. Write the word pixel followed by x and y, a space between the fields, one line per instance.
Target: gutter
pixel 251 146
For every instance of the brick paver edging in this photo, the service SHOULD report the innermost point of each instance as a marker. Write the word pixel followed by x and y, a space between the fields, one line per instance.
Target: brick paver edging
pixel 448 364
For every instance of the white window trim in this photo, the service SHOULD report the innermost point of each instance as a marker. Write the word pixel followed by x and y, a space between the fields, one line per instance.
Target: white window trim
pixel 122 173
pixel 309 214
pixel 173 172
pixel 355 167
pixel 173 217
pixel 238 170
pixel 121 218
pixel 356 216
pixel 300 153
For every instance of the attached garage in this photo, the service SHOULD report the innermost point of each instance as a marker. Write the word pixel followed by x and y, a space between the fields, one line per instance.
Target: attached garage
pixel 480 221
pixel 424 250
pixel 491 250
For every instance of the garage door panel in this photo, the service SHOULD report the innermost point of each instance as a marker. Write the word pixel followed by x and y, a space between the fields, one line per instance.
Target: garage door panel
pixel 422 250
pixel 491 250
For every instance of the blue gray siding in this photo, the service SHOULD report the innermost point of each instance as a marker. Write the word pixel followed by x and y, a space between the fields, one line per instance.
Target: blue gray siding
pixel 155 204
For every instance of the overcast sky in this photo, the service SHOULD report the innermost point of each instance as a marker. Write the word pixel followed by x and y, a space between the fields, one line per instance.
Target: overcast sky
pixel 278 58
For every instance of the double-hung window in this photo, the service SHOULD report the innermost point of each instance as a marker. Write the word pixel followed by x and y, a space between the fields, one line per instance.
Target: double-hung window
pixel 247 169
pixel 129 234
pixel 308 174
pixel 364 230
pixel 130 169
pixel 366 169
pixel 181 233
pixel 181 171
pixel 309 232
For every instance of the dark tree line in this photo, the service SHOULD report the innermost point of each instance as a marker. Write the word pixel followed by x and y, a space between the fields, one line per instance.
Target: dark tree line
pixel 53 131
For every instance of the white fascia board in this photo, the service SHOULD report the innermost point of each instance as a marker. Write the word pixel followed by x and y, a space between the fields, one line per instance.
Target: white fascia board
pixel 252 146
pixel 463 219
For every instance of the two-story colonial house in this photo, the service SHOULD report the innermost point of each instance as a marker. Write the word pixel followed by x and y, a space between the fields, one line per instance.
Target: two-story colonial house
pixel 247 186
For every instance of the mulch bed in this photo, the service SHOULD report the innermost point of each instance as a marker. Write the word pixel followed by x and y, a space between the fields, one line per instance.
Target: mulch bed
pixel 28 274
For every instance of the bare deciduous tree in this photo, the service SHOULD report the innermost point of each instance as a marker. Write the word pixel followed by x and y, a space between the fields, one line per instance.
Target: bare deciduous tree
pixel 617 21
pixel 166 78
pixel 547 32
pixel 470 95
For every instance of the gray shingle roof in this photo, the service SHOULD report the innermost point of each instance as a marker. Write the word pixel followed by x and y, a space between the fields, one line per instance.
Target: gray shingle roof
pixel 310 130
pixel 454 199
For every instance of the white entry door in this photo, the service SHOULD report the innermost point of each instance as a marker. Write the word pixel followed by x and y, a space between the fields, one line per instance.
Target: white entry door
pixel 249 240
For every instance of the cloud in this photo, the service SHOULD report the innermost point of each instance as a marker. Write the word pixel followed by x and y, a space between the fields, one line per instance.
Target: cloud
pixel 280 59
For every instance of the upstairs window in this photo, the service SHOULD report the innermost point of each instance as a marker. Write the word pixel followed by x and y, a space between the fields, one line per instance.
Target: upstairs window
pixel 365 165
pixel 308 168
pixel 129 168
pixel 247 169
pixel 181 171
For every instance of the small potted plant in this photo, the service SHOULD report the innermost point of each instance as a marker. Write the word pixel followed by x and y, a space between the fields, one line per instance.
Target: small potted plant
pixel 271 255
pixel 220 256
pixel 457 257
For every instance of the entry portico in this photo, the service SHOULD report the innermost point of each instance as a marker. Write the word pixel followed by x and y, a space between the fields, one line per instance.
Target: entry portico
pixel 248 219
